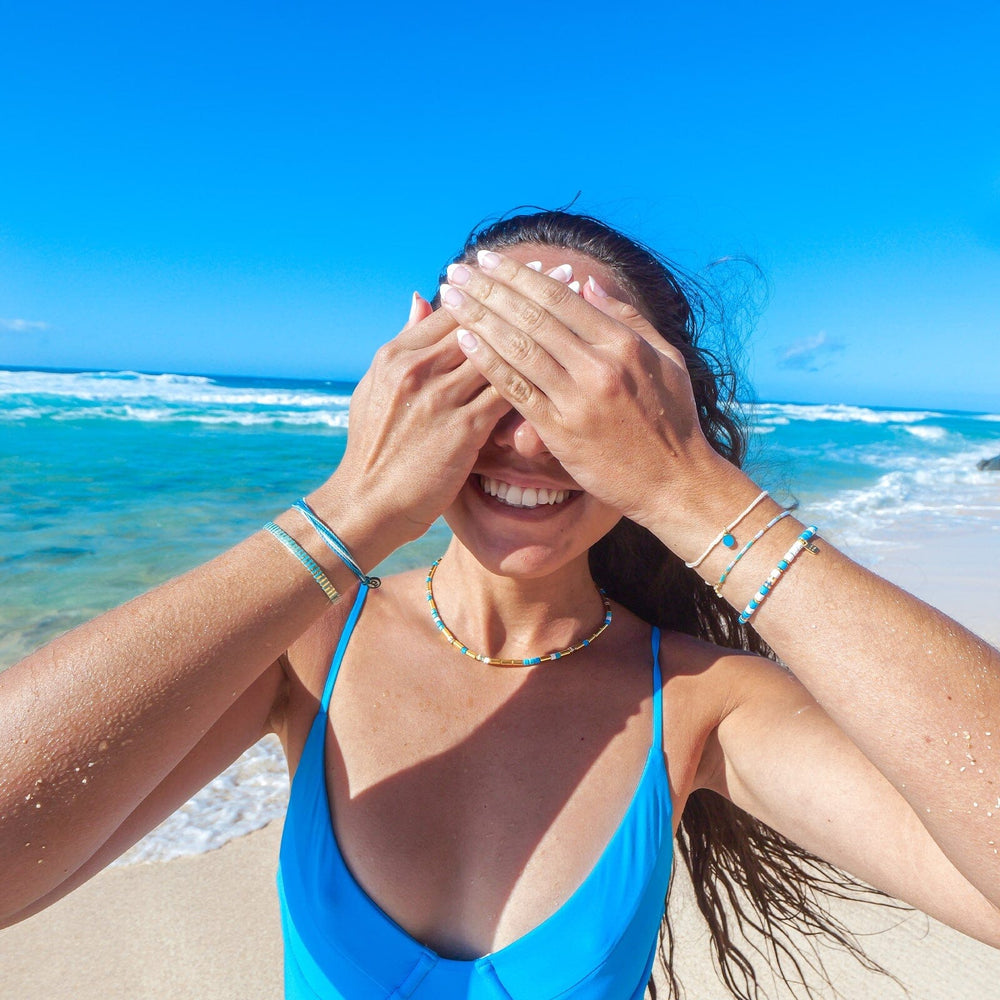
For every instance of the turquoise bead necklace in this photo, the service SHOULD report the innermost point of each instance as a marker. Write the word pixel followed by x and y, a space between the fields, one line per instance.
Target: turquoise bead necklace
pixel 499 661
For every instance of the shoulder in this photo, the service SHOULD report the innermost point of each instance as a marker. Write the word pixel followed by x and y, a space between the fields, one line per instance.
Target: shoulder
pixel 305 665
pixel 307 661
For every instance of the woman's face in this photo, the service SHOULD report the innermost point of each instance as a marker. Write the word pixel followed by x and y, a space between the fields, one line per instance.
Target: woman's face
pixel 520 513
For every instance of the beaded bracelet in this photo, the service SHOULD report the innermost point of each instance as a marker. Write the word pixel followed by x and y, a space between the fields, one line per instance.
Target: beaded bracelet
pixel 789 557
pixel 717 587
pixel 335 544
pixel 303 557
pixel 724 536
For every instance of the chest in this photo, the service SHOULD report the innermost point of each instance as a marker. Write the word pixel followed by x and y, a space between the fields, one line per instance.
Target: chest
pixel 470 804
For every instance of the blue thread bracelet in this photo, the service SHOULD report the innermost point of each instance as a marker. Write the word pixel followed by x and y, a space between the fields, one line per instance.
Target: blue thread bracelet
pixel 303 557
pixel 717 587
pixel 802 542
pixel 335 544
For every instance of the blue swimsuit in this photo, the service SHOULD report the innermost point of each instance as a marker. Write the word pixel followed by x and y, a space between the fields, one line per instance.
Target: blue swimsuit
pixel 599 945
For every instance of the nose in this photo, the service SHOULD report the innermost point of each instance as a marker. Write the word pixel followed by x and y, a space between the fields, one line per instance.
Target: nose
pixel 514 432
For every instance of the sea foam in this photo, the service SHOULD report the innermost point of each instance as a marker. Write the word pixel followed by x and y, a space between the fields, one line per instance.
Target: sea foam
pixel 134 396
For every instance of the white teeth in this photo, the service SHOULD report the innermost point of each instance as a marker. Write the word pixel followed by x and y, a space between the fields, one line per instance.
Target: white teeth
pixel 521 496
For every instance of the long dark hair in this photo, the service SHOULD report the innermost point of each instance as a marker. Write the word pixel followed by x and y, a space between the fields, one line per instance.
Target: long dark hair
pixel 744 873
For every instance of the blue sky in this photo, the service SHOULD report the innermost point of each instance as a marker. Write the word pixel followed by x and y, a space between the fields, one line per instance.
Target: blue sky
pixel 257 188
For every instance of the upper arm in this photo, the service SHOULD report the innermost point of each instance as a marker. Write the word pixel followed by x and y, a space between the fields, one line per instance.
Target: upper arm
pixel 779 756
pixel 249 718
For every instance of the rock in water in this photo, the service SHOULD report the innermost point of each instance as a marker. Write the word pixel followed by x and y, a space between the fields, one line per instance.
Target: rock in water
pixel 990 464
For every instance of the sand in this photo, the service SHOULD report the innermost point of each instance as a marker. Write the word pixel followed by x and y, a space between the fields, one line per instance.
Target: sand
pixel 207 926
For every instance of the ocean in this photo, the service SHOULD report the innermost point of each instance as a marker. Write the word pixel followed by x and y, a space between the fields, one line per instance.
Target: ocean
pixel 114 481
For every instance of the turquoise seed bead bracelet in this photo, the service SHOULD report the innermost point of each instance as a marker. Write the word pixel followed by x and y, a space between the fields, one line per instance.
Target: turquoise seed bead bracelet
pixel 303 557
pixel 717 587
pixel 802 542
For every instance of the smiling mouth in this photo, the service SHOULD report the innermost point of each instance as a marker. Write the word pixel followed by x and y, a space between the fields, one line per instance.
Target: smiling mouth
pixel 524 497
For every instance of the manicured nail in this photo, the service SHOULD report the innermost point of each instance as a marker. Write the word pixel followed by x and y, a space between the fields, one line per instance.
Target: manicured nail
pixel 413 308
pixel 488 260
pixel 535 265
pixel 458 274
pixel 466 339
pixel 451 296
pixel 562 273
pixel 574 286
pixel 596 288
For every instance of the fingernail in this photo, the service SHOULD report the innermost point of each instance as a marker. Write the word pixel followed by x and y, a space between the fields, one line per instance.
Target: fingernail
pixel 413 307
pixel 451 296
pixel 458 274
pixel 596 288
pixel 466 339
pixel 562 273
pixel 535 265
pixel 574 286
pixel 488 260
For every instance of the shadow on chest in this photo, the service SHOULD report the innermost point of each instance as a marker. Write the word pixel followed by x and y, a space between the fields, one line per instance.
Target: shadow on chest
pixel 470 803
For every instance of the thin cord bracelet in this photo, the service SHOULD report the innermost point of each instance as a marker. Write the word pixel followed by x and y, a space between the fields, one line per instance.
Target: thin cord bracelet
pixel 717 587
pixel 724 536
pixel 335 544
pixel 303 557
pixel 800 543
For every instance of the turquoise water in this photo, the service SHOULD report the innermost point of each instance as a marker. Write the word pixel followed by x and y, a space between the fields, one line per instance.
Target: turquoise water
pixel 111 482
pixel 114 481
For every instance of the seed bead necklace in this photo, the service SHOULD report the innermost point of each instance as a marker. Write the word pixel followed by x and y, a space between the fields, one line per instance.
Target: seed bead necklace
pixel 499 661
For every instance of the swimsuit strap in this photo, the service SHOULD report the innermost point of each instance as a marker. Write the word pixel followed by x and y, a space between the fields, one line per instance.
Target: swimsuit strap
pixel 657 692
pixel 345 638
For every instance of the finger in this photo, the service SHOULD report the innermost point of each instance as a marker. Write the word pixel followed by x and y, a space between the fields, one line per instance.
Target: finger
pixel 510 289
pixel 420 309
pixel 511 385
pixel 524 345
pixel 432 326
pixel 486 407
pixel 464 382
pixel 627 315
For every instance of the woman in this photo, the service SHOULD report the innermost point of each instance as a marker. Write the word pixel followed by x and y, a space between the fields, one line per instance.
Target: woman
pixel 490 758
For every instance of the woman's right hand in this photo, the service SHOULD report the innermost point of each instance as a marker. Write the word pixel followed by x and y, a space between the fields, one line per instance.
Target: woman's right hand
pixel 417 421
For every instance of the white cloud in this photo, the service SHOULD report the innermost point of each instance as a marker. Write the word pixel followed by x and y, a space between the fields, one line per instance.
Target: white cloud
pixel 22 325
pixel 811 353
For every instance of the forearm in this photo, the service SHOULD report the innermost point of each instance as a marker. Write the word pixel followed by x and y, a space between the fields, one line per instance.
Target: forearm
pixel 94 721
pixel 916 692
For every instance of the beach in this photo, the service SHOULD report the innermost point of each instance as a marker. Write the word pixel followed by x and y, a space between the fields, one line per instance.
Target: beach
pixel 192 910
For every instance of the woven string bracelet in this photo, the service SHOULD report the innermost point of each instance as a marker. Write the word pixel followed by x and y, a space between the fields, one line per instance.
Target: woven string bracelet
pixel 789 557
pixel 335 544
pixel 303 557
pixel 717 587
pixel 724 536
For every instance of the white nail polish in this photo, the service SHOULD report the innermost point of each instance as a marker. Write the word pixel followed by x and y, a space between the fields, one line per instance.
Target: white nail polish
pixel 563 273
pixel 574 286
pixel 466 339
pixel 596 288
pixel 535 265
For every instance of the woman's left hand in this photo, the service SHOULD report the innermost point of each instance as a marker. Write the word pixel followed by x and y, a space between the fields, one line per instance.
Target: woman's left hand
pixel 609 397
